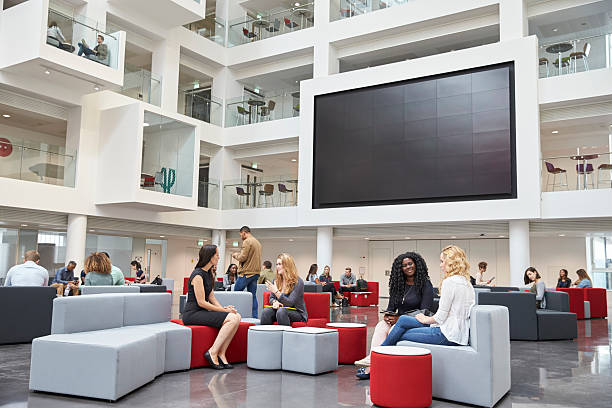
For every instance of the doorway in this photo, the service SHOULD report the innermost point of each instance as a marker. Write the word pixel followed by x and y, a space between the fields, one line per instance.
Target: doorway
pixel 153 261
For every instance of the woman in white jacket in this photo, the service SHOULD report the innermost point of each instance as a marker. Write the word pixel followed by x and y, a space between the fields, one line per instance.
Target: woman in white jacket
pixel 450 326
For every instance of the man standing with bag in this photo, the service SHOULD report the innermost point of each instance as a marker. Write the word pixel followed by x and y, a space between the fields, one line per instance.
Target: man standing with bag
pixel 249 262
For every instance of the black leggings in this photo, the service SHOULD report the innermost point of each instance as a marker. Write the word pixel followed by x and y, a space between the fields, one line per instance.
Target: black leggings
pixel 282 316
pixel 329 287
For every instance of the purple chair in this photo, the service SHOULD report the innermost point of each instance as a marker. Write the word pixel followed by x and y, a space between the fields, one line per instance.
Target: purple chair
pixel 551 169
pixel 580 171
pixel 283 190
pixel 241 193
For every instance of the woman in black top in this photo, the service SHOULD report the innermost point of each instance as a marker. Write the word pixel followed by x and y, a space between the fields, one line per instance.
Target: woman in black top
pixel 141 277
pixel 409 289
pixel 202 309
pixel 564 281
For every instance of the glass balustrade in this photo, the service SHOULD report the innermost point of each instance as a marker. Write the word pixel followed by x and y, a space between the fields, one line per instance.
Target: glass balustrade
pixel 268 192
pixel 582 171
pixel 576 54
pixel 257 109
pixel 84 37
pixel 270 24
pixel 141 84
pixel 202 107
pixel 208 194
pixel 35 161
pixel 341 9
pixel 211 27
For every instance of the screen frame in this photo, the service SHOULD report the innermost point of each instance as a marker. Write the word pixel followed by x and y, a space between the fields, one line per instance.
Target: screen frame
pixel 440 199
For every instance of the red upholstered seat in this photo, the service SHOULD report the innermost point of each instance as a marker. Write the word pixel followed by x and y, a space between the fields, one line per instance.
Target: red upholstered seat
pixel 599 303
pixel 317 307
pixel 203 337
pixel 185 285
pixel 130 278
pixel 576 300
pixel 372 287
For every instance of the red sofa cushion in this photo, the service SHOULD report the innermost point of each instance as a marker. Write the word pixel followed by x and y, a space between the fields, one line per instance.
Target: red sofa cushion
pixel 576 300
pixel 599 302
pixel 317 307
pixel 373 287
pixel 203 337
pixel 185 285
pixel 130 278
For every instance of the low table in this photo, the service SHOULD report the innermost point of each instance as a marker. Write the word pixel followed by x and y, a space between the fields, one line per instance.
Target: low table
pixel 352 339
pixel 400 376
pixel 265 347
pixel 310 350
pixel 360 298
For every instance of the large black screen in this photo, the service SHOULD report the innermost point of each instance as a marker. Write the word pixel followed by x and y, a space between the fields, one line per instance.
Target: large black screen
pixel 441 138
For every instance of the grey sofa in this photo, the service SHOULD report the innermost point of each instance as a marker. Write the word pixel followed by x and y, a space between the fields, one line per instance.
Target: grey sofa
pixel 312 287
pixel 528 323
pixel 25 313
pixel 148 288
pixel 97 290
pixel 487 358
pixel 242 301
pixel 124 341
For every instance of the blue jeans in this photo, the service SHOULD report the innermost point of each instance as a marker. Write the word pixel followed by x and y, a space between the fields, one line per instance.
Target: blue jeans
pixel 84 50
pixel 250 284
pixel 410 329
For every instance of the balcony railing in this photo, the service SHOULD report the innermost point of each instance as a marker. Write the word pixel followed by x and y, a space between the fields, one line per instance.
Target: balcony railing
pixel 256 109
pixel 79 35
pixel 203 108
pixel 270 24
pixel 38 162
pixel 141 84
pixel 340 9
pixel 576 55
pixel 212 28
pixel 584 171
pixel 208 194
pixel 264 193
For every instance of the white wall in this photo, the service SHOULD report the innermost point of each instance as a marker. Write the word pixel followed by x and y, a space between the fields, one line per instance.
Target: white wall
pixel 548 255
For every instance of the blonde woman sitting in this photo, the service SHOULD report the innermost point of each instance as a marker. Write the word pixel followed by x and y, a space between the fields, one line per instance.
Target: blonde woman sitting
pixel 450 326
pixel 287 295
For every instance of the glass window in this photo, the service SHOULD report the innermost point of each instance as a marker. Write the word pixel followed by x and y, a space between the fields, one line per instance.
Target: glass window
pixel 51 246
pixel 601 261
pixel 8 251
pixel 119 249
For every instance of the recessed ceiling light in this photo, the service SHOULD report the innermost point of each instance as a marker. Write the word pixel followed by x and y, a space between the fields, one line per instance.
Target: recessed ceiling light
pixel 554 132
pixel 366 238
pixel 406 237
pixel 24 225
pixel 501 236
pixel 256 90
pixel 561 235
pixel 145 124
pixel 6 115
pixel 92 230
pixel 291 239
pixel 555 30
pixel 47 72
pixel 294 160
pixel 297 4
pixel 162 236
pixel 96 88
pixel 453 237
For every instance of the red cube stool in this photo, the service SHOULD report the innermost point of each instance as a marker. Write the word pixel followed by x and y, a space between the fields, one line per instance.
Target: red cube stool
pixel 352 338
pixel 400 376
pixel 360 298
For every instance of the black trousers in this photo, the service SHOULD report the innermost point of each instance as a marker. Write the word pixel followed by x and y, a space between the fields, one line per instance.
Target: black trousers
pixel 282 316
pixel 348 289
pixel 329 287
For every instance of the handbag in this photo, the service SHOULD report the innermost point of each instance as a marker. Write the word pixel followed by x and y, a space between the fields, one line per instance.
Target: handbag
pixel 156 281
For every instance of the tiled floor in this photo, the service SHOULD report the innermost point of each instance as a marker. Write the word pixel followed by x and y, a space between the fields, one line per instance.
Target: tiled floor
pixel 554 373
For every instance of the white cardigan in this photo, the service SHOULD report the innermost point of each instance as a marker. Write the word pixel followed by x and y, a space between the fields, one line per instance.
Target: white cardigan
pixel 453 315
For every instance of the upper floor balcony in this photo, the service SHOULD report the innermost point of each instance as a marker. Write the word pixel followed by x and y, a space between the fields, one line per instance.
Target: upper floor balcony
pixel 167 13
pixel 141 84
pixel 253 108
pixel 200 105
pixel 577 54
pixel 211 27
pixel 341 9
pixel 48 45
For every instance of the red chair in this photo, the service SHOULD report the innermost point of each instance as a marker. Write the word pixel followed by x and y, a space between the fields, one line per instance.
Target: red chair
pixel 203 337
pixel 599 302
pixel 185 285
pixel 576 300
pixel 130 278
pixel 372 287
pixel 317 307
pixel 290 24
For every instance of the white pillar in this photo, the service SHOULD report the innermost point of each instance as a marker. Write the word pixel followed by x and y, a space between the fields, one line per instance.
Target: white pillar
pixel 325 60
pixel 76 235
pixel 519 251
pixel 165 63
pixel 218 239
pixel 325 247
pixel 512 19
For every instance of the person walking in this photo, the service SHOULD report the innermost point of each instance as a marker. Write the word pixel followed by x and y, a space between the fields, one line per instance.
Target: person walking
pixel 249 262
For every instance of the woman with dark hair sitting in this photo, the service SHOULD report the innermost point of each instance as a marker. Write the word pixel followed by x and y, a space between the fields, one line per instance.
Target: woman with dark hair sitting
pixel 537 286
pixel 230 276
pixel 141 276
pixel 202 309
pixel 312 274
pixel 564 280
pixel 409 289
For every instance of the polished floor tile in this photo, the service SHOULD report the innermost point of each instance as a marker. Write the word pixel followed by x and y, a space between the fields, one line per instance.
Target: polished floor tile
pixel 544 374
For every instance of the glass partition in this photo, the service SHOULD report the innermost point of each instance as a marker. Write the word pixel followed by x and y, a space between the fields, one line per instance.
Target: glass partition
pixel 576 54
pixel 203 107
pixel 167 155
pixel 211 27
pixel 268 192
pixel 8 251
pixel 82 36
pixel 35 161
pixel 141 84
pixel 256 109
pixel 340 9
pixel 584 171
pixel 270 24
pixel 208 194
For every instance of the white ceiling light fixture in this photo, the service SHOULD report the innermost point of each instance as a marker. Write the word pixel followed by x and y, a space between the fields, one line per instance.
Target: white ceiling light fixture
pixel 6 115
pixel 294 160
pixel 24 225
pixel 92 230
pixel 47 72
pixel 366 238
pixel 561 235
pixel 96 88
pixel 145 124
pixel 453 237
pixel 297 4
pixel 406 237
pixel 162 236
pixel 554 132
pixel 555 30
pixel 290 239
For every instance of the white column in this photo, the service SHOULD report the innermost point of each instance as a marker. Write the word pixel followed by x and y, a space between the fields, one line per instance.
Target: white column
pixel 512 19
pixel 325 60
pixel 165 63
pixel 519 251
pixel 218 239
pixel 226 87
pixel 325 247
pixel 75 240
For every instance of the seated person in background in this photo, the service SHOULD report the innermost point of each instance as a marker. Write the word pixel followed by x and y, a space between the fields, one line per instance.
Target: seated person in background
pixel 287 295
pixel 266 274
pixel 54 34
pixel 64 278
pixel 83 276
pixel 230 276
pixel 116 273
pixel 99 53
pixel 29 273
pixel 141 276
pixel 584 280
pixel 450 326
pixel 98 270
pixel 480 280
pixel 409 289
pixel 326 280
pixel 348 283
pixel 312 274
pixel 564 281
pixel 537 286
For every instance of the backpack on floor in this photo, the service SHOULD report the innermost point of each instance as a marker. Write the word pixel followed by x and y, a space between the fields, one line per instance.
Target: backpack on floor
pixel 345 302
pixel 362 285
pixel 156 281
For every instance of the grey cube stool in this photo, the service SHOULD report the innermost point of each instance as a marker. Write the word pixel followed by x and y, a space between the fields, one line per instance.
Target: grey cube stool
pixel 265 347
pixel 310 350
